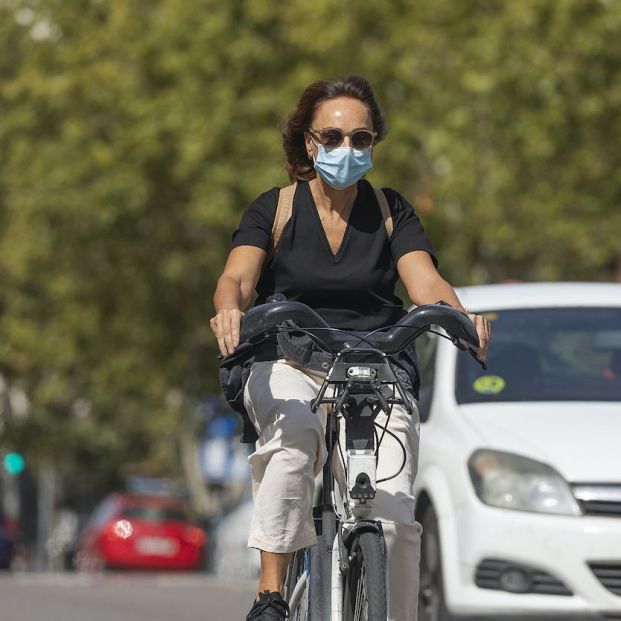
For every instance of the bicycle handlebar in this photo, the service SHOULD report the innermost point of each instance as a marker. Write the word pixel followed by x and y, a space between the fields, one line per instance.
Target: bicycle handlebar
pixel 261 319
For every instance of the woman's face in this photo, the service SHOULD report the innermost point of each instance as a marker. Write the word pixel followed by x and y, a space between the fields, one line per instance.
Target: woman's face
pixel 343 113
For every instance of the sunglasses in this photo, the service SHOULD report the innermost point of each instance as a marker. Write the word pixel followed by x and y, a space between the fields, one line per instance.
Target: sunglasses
pixel 333 137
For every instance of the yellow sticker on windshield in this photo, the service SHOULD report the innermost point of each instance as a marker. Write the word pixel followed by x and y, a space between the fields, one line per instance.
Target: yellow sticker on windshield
pixel 490 316
pixel 489 384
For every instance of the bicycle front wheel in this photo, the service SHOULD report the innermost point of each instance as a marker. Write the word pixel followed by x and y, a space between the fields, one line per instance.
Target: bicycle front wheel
pixel 365 582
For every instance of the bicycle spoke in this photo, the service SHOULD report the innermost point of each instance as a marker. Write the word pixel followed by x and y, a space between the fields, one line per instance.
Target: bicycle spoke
pixel 361 597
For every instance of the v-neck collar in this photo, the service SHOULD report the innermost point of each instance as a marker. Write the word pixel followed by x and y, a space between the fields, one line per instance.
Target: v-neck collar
pixel 322 231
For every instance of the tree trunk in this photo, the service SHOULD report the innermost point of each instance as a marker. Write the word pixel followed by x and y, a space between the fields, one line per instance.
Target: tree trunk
pixel 199 497
pixel 46 500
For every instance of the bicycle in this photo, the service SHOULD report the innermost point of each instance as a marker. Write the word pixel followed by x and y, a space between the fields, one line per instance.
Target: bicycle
pixel 343 576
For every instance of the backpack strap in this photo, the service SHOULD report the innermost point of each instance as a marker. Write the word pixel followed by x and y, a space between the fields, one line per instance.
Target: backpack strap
pixel 285 208
pixel 283 214
pixel 382 201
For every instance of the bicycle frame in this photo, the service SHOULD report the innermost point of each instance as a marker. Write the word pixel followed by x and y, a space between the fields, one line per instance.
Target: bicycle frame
pixel 357 398
pixel 360 393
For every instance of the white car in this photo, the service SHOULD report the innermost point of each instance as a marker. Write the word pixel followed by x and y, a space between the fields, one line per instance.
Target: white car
pixel 519 481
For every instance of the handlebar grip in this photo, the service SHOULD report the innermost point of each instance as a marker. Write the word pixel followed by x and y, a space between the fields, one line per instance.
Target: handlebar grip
pixel 260 319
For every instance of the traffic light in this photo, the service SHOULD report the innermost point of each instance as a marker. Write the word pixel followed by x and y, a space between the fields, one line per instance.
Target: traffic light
pixel 14 463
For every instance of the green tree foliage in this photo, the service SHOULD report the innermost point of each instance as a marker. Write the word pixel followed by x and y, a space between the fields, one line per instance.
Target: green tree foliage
pixel 134 132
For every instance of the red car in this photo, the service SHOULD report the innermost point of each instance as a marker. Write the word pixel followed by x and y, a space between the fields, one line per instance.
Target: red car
pixel 140 532
pixel 7 541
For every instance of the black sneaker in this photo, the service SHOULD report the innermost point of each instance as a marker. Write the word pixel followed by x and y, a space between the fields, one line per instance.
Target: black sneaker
pixel 269 607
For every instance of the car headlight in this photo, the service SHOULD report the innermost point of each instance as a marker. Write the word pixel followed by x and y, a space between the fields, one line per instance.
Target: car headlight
pixel 513 482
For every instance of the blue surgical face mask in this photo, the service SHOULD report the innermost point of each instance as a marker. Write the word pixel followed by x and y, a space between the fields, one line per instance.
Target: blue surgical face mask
pixel 343 166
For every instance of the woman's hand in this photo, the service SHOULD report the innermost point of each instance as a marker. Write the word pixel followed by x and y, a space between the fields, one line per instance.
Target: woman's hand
pixel 484 330
pixel 225 326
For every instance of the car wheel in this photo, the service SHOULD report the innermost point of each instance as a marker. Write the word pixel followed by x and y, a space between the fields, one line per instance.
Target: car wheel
pixel 431 602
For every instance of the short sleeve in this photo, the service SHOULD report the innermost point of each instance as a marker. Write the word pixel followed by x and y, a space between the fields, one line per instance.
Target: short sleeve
pixel 408 233
pixel 255 228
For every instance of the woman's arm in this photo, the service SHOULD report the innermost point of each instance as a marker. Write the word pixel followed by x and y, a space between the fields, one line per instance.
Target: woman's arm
pixel 425 286
pixel 233 293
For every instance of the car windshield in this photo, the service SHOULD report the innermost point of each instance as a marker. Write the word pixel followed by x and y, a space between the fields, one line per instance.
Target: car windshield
pixel 547 354
pixel 155 513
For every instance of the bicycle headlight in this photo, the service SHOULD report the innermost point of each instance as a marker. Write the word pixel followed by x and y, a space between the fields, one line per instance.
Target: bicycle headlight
pixel 511 481
pixel 361 373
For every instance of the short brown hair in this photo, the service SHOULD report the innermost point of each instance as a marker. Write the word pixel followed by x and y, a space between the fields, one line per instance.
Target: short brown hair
pixel 299 167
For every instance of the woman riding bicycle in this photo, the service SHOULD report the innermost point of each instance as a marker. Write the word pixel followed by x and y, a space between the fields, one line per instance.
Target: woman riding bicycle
pixel 337 255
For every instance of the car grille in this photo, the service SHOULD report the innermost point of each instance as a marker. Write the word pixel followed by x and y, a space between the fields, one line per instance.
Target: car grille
pixel 599 499
pixel 609 574
pixel 489 571
pixel 602 508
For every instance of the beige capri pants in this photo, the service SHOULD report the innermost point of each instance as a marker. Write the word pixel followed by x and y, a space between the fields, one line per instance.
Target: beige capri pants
pixel 290 453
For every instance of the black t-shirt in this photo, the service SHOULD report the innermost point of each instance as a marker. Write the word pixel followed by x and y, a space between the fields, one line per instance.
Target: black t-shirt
pixel 352 290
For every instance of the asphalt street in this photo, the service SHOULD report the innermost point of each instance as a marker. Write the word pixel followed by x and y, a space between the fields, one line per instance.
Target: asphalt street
pixel 122 597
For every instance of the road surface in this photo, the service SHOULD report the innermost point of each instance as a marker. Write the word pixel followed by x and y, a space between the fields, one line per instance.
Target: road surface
pixel 122 597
